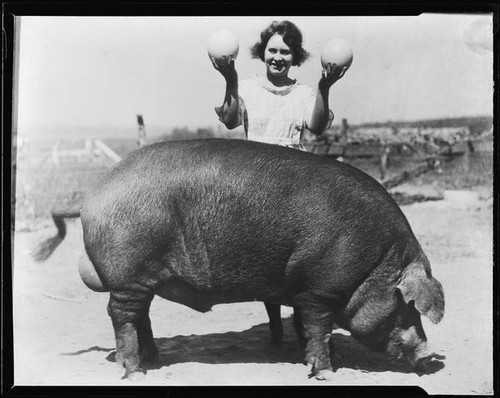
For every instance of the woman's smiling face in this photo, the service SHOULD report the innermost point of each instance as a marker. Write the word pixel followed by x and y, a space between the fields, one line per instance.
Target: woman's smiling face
pixel 277 56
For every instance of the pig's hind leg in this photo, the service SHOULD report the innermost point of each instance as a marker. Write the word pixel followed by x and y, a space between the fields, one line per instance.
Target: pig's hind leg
pixel 275 323
pixel 129 312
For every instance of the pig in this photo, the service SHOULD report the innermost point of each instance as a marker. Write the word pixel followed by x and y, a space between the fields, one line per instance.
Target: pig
pixel 205 222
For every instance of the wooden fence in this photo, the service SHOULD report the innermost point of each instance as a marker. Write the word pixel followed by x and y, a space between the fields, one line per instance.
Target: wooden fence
pixel 60 177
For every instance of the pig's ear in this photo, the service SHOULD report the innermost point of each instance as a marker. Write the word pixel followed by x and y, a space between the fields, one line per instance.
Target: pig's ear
pixel 426 292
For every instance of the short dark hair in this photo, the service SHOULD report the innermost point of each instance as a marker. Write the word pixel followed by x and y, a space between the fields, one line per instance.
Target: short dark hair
pixel 292 36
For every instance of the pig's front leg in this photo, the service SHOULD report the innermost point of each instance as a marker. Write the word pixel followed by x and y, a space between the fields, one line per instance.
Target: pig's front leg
pixel 317 320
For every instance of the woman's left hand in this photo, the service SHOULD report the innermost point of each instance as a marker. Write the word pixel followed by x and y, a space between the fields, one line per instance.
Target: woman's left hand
pixel 330 75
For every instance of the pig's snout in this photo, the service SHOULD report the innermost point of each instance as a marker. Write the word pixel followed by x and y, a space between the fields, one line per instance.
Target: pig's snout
pixel 428 362
pixel 417 355
pixel 408 344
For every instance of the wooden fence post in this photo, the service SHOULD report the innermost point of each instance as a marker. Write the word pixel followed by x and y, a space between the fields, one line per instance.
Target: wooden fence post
pixel 344 132
pixel 384 160
pixel 141 141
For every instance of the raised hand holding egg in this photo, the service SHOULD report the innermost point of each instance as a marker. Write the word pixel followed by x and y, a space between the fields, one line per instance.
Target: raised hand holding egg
pixel 223 43
pixel 337 51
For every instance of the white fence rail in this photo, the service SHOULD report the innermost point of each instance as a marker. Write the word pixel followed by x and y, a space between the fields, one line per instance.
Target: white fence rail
pixel 91 149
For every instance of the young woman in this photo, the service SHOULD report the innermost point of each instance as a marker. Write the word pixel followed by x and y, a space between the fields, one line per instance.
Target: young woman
pixel 276 109
pixel 272 107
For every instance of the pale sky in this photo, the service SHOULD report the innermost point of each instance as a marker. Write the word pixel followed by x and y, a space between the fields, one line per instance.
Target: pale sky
pixel 102 71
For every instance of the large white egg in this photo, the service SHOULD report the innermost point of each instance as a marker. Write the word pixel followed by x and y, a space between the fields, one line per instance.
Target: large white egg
pixel 337 51
pixel 223 43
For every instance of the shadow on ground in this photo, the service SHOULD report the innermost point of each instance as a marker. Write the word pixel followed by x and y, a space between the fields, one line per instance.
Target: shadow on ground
pixel 252 346
pixel 91 349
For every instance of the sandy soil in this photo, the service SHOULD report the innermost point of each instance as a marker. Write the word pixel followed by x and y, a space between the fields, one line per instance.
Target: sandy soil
pixel 63 335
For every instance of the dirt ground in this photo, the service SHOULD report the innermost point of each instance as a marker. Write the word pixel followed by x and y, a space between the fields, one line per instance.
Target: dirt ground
pixel 63 335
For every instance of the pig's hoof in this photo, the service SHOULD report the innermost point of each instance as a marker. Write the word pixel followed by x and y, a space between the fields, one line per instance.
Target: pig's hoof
pixel 137 376
pixel 325 374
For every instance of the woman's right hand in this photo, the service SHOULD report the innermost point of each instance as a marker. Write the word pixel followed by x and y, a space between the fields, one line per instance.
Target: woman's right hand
pixel 331 73
pixel 225 66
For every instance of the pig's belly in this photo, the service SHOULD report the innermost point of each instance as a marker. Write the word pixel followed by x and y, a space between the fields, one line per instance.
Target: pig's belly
pixel 202 300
